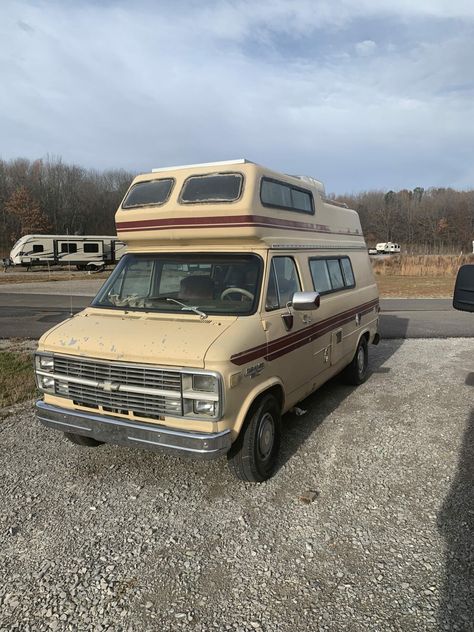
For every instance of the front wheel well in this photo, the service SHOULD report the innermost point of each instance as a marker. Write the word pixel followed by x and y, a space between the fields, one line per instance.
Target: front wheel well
pixel 276 390
pixel 277 393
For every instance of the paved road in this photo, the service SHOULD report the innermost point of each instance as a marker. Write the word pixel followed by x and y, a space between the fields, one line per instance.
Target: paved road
pixel 424 318
pixel 30 315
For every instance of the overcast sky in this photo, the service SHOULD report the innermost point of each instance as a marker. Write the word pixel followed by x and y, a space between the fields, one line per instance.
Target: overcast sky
pixel 358 93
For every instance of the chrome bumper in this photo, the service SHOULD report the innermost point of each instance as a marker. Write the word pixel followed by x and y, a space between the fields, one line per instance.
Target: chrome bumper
pixel 199 445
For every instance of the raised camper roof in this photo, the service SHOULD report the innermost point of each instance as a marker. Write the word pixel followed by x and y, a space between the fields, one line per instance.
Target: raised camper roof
pixel 232 202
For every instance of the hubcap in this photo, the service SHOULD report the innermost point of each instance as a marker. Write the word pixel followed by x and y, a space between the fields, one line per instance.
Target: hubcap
pixel 266 435
pixel 361 360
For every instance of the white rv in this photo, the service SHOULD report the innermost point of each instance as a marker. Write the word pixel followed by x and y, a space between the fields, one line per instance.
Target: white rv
pixel 387 248
pixel 79 250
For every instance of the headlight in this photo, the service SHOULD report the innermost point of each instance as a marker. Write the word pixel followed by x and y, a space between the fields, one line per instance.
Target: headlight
pixel 202 395
pixel 204 408
pixel 46 383
pixel 44 363
pixel 205 383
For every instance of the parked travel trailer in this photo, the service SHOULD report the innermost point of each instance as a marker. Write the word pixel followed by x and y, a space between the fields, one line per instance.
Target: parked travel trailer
pixel 79 250
pixel 387 248
pixel 243 290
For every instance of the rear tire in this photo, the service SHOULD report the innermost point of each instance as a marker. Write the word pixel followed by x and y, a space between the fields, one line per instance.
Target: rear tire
pixel 357 371
pixel 254 454
pixel 88 442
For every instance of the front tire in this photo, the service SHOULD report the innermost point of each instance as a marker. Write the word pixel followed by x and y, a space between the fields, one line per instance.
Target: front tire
pixel 253 455
pixel 88 442
pixel 357 371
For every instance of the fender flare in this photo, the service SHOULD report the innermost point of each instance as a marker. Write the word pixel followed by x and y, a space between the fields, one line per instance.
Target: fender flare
pixel 254 394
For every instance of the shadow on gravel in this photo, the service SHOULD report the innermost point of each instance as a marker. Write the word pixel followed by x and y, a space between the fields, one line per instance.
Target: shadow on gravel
pixel 296 430
pixel 456 524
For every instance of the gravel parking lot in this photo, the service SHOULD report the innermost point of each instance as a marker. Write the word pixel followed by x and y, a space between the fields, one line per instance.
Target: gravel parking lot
pixel 121 539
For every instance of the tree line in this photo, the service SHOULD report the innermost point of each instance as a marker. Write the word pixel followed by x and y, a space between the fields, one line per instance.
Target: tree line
pixel 49 196
pixel 431 221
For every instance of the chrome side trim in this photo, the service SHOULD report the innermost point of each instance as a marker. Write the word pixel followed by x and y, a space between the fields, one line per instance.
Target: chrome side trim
pixel 132 433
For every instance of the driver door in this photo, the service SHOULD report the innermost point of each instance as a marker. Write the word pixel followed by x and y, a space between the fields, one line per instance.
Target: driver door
pixel 288 344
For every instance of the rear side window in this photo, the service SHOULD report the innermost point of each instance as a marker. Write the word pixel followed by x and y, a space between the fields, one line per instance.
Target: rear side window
pixel 152 192
pixel 331 274
pixel 216 187
pixel 347 271
pixel 286 196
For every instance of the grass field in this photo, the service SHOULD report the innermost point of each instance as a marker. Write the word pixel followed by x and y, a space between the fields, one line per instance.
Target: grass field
pixel 17 382
pixel 397 286
pixel 420 265
pixel 418 276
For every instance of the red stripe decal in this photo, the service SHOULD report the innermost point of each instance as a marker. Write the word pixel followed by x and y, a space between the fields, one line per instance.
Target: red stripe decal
pixel 226 221
pixel 328 321
pixel 288 343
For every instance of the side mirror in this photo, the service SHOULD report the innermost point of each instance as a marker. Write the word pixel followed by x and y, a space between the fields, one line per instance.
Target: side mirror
pixel 463 298
pixel 303 301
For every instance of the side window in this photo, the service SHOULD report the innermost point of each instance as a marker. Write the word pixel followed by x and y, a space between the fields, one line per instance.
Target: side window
pixel 38 248
pixel 282 284
pixel 69 247
pixel 320 274
pixel 331 274
pixel 91 247
pixel 285 195
pixel 348 273
pixel 335 274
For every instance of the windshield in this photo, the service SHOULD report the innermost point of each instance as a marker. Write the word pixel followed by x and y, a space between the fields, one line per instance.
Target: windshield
pixel 215 284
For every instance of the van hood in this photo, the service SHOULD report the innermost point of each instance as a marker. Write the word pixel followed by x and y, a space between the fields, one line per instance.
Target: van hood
pixel 136 337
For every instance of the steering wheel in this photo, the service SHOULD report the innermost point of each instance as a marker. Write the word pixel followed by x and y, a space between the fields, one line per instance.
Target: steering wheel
pixel 240 290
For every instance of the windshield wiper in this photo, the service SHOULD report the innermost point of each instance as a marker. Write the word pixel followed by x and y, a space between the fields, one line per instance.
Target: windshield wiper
pixel 188 308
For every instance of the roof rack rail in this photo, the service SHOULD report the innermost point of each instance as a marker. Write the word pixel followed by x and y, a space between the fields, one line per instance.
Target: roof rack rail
pixel 238 161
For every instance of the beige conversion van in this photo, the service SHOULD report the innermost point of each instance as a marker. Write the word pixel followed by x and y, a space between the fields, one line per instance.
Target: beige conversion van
pixel 242 291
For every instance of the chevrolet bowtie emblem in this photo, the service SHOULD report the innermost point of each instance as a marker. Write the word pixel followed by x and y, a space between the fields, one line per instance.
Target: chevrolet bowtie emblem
pixel 108 386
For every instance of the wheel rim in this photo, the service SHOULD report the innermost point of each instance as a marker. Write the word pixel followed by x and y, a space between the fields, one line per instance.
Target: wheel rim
pixel 361 360
pixel 266 436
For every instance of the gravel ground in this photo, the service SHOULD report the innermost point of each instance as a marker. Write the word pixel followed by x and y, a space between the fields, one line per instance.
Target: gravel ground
pixel 121 539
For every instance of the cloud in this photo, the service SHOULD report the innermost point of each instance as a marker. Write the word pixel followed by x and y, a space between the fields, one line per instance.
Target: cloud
pixel 365 48
pixel 142 85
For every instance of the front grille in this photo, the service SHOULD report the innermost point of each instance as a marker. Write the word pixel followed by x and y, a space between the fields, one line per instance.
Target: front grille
pixel 134 375
pixel 94 384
